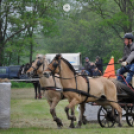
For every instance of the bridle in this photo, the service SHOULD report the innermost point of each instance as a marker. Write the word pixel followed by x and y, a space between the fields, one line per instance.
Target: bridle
pixel 55 66
pixel 38 65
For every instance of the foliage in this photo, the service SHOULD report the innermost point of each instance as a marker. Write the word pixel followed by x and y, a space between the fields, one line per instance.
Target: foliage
pixel 19 22
pixel 92 27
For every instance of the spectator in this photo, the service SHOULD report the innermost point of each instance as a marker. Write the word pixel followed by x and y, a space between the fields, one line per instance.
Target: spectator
pixel 98 63
pixel 97 72
pixel 88 66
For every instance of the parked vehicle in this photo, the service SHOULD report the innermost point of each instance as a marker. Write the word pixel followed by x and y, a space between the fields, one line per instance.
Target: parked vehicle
pixel 9 71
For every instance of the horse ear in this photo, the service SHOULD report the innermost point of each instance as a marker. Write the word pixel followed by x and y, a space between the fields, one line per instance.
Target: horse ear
pixel 58 56
pixel 44 56
pixel 37 55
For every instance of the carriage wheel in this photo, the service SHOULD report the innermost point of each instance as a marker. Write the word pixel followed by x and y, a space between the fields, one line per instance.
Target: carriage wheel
pixel 130 116
pixel 104 117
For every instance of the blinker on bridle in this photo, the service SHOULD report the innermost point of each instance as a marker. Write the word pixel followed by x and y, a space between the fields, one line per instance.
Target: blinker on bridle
pixel 55 65
pixel 38 65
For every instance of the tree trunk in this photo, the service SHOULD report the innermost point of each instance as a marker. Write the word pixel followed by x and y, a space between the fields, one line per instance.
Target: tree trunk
pixel 18 59
pixel 1 50
pixel 1 56
pixel 31 52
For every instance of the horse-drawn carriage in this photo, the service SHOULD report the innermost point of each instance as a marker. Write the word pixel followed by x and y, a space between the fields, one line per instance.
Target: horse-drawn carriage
pixel 106 118
pixel 126 101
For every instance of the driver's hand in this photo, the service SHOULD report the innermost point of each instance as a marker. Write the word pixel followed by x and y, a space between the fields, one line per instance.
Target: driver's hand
pixel 120 60
pixel 124 63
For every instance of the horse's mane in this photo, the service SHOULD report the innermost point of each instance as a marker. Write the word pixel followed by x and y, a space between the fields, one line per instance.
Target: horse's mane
pixel 69 65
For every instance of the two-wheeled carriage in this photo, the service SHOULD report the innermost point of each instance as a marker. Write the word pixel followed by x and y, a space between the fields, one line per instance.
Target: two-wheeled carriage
pixel 126 101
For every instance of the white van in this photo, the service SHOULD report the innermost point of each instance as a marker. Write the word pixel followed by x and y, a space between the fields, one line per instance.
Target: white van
pixel 73 58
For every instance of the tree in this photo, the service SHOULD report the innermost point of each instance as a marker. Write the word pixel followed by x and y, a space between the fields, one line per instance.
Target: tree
pixel 23 17
pixel 83 32
pixel 118 14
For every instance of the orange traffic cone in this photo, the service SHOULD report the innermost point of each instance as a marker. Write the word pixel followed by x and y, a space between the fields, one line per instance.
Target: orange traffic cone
pixel 110 70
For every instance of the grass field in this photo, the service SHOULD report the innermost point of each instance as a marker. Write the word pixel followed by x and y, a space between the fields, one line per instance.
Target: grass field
pixel 29 116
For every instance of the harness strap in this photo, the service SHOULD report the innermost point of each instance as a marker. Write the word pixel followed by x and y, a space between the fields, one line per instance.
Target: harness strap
pixel 88 89
pixel 53 88
pixel 43 65
pixel 77 91
pixel 54 81
pixel 86 94
pixel 76 82
pixel 50 88
pixel 57 88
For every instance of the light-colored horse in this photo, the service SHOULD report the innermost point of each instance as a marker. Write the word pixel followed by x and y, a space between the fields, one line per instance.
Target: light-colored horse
pixel 98 87
pixel 49 85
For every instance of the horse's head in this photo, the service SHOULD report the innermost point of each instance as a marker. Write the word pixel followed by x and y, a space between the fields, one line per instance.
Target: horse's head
pixel 57 65
pixel 54 67
pixel 26 67
pixel 36 66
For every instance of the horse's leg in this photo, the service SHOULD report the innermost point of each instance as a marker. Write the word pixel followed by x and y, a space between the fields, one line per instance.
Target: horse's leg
pixel 119 109
pixel 72 122
pixel 84 120
pixel 81 115
pixel 79 123
pixel 53 113
pixel 70 106
pixel 35 90
pixel 39 92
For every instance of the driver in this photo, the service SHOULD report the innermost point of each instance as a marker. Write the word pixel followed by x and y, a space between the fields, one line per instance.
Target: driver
pixel 127 61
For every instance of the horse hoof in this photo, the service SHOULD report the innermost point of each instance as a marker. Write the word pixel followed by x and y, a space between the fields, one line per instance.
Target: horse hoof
pixel 79 124
pixel 72 126
pixel 84 121
pixel 119 125
pixel 59 123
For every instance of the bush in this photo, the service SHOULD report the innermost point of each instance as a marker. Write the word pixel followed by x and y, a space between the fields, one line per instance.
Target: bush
pixel 21 85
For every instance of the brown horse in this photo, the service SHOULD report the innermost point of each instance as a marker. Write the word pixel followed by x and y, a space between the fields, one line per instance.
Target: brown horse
pixel 75 87
pixel 49 85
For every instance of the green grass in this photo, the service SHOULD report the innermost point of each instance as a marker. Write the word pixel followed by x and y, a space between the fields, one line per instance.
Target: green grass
pixel 68 131
pixel 30 116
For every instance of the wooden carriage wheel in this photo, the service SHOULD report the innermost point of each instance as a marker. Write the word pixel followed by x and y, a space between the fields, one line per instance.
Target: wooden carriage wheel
pixel 130 116
pixel 104 118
